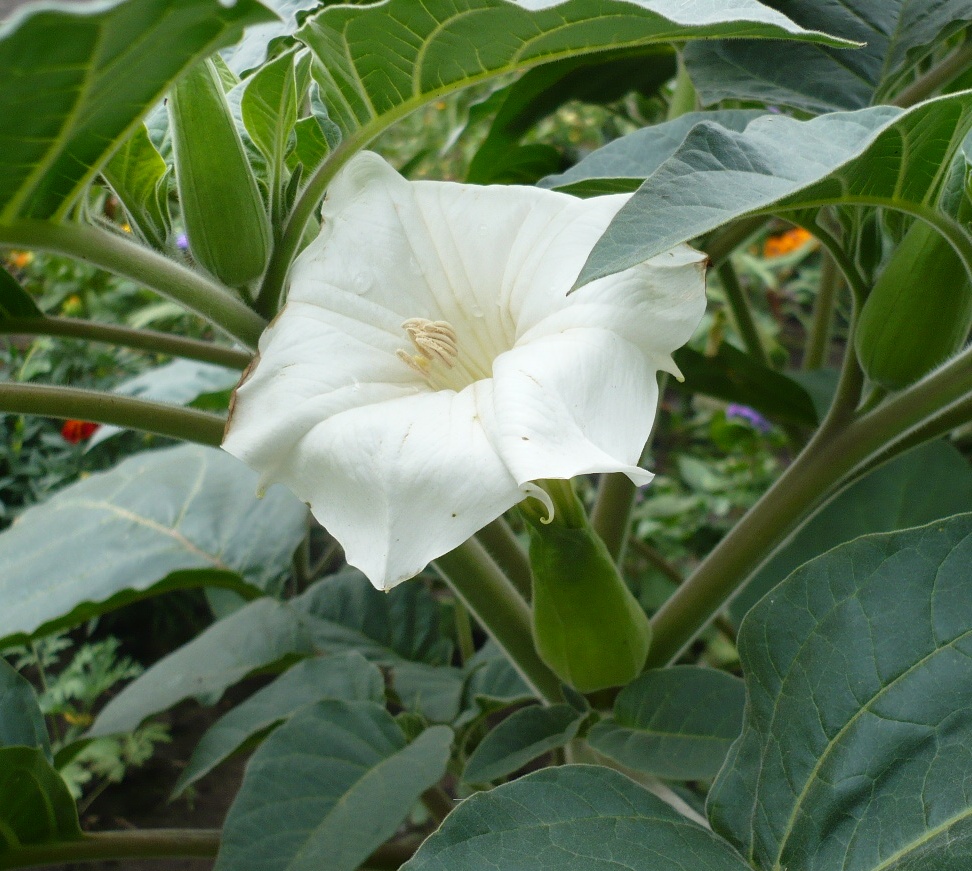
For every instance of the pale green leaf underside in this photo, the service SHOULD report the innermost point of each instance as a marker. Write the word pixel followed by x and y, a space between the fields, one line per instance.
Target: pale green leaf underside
pixel 183 508
pixel 79 77
pixel 676 723
pixel 328 788
pixel 381 61
pixel 571 818
pixel 881 156
pixel 855 752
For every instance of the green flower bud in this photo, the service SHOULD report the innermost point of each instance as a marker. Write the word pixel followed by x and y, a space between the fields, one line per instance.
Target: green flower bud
pixel 919 312
pixel 226 221
pixel 587 625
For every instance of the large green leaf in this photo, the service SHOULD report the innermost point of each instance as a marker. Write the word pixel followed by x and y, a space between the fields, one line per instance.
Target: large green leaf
pixel 894 33
pixel 571 818
pixel 35 805
pixel 339 613
pixel 624 163
pixel 260 634
pixel 676 723
pixel 346 676
pixel 121 532
pixel 855 746
pixel 328 788
pixel 879 157
pixel 927 483
pixel 79 77
pixel 21 721
pixel 734 376
pixel 521 738
pixel 380 62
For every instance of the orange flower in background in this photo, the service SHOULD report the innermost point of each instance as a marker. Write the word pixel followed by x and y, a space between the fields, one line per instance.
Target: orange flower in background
pixel 786 243
pixel 19 259
pixel 75 431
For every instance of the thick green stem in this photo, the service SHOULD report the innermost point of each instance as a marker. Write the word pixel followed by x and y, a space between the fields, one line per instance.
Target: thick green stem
pixel 143 340
pixel 938 76
pixel 742 312
pixel 840 449
pixel 129 259
pixel 173 421
pixel 477 580
pixel 501 543
pixel 285 250
pixel 684 97
pixel 104 846
pixel 818 341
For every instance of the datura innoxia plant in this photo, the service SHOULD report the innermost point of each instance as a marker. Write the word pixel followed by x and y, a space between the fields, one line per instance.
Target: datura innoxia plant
pixel 430 364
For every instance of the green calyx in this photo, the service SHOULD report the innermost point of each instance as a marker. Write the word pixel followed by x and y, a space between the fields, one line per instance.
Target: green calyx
pixel 587 626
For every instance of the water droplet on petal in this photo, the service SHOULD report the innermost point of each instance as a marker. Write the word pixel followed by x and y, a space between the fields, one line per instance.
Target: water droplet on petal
pixel 360 282
pixel 476 311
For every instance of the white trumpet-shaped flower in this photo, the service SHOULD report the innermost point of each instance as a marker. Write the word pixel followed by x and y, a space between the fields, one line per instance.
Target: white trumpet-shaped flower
pixel 429 362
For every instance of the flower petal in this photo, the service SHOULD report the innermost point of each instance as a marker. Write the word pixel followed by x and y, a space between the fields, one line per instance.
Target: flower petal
pixel 402 482
pixel 574 403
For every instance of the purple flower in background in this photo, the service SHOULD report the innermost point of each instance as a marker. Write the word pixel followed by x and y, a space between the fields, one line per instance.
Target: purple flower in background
pixel 182 241
pixel 735 411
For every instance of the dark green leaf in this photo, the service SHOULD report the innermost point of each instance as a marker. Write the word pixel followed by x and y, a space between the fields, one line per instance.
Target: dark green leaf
pixel 140 179
pixel 434 691
pixel 261 634
pixel 493 684
pixel 675 723
pixel 328 788
pixel 35 805
pixel 623 164
pixel 880 157
pixel 79 78
pixel 405 624
pixel 347 676
pixel 927 483
pixel 21 720
pixel 733 376
pixel 571 818
pixel 520 738
pixel 380 62
pixel 855 745
pixel 155 514
pixel 894 33
pixel 599 78
pixel 15 302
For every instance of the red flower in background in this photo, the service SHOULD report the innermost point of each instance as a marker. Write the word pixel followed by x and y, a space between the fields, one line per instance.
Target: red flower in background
pixel 75 431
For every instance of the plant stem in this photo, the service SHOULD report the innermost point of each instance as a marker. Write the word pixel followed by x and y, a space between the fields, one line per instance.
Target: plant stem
pixel 103 846
pixel 173 421
pixel 129 259
pixel 818 342
pixel 656 560
pixel 464 634
pixel 501 543
pixel 143 340
pixel 493 600
pixel 840 449
pixel 926 85
pixel 727 239
pixel 438 803
pixel 741 311
pixel 611 514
